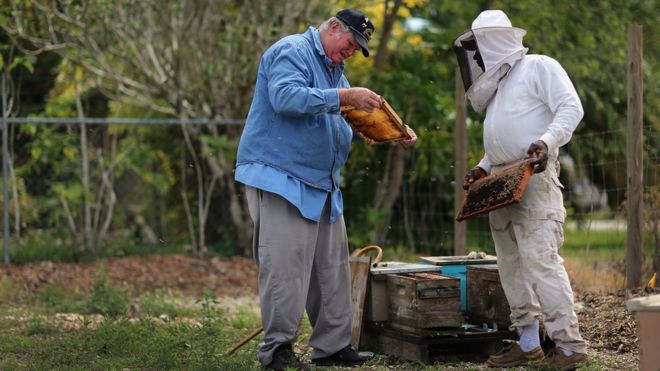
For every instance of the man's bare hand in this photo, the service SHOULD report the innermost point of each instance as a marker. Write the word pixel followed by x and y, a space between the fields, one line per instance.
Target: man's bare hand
pixel 405 143
pixel 539 152
pixel 360 98
pixel 473 175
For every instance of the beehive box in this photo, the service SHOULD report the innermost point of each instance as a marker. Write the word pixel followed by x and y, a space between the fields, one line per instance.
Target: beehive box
pixel 486 301
pixel 423 300
pixel 376 301
pixel 456 266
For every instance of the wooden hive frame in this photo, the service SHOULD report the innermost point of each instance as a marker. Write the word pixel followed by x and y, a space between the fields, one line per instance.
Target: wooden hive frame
pixel 496 191
pixel 379 126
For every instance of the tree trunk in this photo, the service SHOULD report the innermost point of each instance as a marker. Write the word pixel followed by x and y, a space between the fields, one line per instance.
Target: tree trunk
pixel 87 209
pixel 222 169
pixel 388 23
pixel 389 190
pixel 389 187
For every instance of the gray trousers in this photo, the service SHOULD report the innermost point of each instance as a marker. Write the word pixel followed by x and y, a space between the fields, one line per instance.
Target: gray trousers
pixel 527 239
pixel 303 265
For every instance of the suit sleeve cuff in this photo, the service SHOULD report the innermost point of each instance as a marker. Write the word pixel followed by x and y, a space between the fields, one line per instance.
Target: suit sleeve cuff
pixel 485 165
pixel 549 141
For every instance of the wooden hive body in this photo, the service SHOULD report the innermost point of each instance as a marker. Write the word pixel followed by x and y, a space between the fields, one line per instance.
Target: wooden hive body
pixel 486 301
pixel 423 300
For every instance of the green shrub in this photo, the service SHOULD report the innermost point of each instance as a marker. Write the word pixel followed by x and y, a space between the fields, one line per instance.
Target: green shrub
pixel 40 245
pixel 106 299
pixel 56 246
pixel 55 298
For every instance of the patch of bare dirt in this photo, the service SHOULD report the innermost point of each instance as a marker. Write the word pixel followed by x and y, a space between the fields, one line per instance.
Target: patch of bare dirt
pixel 606 323
pixel 189 275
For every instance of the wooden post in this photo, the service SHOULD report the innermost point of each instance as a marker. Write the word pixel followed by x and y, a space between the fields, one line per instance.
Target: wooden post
pixel 460 167
pixel 5 170
pixel 634 147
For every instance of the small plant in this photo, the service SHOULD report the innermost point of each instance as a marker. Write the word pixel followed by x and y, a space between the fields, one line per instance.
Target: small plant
pixel 38 327
pixel 107 299
pixel 160 303
pixel 210 313
pixel 56 299
pixel 209 302
pixel 7 290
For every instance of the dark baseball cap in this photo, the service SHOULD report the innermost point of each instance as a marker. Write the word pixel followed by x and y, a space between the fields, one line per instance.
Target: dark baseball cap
pixel 361 26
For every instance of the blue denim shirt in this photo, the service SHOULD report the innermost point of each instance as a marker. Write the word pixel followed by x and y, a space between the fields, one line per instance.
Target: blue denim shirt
pixel 295 140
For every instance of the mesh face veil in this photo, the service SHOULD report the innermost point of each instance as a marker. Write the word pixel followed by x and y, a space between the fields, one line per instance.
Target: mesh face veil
pixel 485 54
pixel 470 62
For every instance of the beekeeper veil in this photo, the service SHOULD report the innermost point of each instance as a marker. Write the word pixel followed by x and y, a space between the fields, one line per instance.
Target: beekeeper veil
pixel 485 54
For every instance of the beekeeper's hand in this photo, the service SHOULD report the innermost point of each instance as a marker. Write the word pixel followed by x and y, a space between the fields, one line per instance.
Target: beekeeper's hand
pixel 405 143
pixel 360 98
pixel 475 174
pixel 539 152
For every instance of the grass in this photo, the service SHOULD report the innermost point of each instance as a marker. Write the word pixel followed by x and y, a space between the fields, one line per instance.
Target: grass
pixel 591 255
pixel 162 330
pixel 611 243
pixel 193 336
pixel 104 329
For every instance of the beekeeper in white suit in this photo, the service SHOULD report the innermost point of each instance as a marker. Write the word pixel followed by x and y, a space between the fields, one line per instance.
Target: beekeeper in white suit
pixel 531 109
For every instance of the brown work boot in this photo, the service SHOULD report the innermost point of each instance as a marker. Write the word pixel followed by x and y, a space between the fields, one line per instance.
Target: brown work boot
pixel 512 356
pixel 557 360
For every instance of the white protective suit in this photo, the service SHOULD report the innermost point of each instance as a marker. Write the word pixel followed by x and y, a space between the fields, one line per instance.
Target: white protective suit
pixel 533 99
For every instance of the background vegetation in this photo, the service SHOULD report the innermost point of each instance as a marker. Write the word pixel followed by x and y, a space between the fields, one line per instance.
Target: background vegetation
pixel 85 191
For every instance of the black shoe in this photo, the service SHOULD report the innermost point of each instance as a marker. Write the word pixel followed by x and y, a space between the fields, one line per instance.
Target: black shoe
pixel 284 358
pixel 348 356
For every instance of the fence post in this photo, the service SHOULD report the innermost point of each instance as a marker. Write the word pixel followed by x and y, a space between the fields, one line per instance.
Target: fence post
pixel 5 171
pixel 460 167
pixel 634 168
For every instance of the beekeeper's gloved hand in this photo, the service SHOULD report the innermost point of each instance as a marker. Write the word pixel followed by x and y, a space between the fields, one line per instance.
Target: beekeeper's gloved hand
pixel 475 174
pixel 539 152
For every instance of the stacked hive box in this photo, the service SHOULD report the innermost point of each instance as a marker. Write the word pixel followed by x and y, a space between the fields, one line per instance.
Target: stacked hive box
pixel 486 301
pixel 377 300
pixel 423 300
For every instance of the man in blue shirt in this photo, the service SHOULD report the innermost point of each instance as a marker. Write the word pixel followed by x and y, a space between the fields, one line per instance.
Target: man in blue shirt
pixel 293 145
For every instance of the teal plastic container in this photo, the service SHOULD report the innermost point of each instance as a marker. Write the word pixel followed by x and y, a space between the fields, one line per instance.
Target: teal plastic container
pixel 459 271
pixel 456 266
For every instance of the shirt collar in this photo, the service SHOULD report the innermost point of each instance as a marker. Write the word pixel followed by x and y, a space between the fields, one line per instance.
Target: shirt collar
pixel 316 39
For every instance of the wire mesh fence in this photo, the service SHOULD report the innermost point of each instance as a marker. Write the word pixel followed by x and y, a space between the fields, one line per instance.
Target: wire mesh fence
pixel 144 187
pixel 593 173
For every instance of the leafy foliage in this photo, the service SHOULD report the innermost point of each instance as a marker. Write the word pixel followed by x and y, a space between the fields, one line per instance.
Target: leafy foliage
pixel 198 59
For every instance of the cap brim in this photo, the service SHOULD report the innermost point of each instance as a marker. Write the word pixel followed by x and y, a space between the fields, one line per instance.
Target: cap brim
pixel 362 41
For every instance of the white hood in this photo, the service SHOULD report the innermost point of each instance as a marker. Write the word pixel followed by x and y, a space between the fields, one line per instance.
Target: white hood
pixel 499 45
pixel 497 40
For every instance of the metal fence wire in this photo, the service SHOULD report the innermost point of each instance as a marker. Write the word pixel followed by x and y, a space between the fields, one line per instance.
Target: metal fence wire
pixel 91 121
pixel 422 218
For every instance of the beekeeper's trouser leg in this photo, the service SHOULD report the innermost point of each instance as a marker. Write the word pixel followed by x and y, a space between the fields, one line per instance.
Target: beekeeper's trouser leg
pixel 302 264
pixel 527 239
